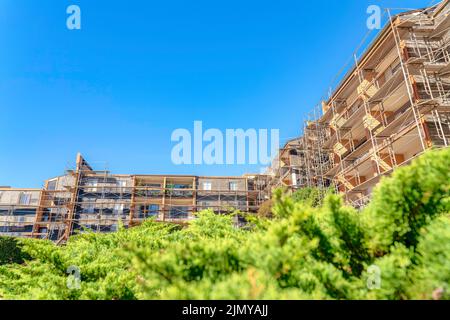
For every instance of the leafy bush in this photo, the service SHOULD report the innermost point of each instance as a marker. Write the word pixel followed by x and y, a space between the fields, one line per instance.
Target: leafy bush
pixel 313 197
pixel 431 277
pixel 306 250
pixel 265 209
pixel 11 251
pixel 403 204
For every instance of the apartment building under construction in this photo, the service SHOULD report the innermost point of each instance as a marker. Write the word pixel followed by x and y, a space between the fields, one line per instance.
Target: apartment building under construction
pixel 87 200
pixel 390 107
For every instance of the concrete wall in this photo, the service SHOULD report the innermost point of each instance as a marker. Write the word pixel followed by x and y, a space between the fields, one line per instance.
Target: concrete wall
pixel 221 184
pixel 12 197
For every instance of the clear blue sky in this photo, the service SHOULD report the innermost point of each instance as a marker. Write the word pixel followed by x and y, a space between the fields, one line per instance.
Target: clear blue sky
pixel 137 70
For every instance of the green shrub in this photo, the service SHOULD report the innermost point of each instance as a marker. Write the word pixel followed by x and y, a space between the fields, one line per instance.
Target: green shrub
pixel 11 251
pixel 404 203
pixel 308 249
pixel 265 209
pixel 313 197
pixel 431 278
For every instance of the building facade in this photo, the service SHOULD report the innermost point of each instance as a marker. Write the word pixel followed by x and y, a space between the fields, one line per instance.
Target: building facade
pixel 87 200
pixel 393 105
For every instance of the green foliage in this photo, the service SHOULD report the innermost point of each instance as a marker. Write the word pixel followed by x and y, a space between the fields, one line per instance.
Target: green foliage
pixel 265 209
pixel 431 278
pixel 408 201
pixel 313 197
pixel 308 249
pixel 11 251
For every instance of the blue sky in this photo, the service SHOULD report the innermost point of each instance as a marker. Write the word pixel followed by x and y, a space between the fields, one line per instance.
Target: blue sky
pixel 137 70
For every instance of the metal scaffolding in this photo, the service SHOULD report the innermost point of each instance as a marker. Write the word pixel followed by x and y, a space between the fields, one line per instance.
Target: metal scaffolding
pixel 391 107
